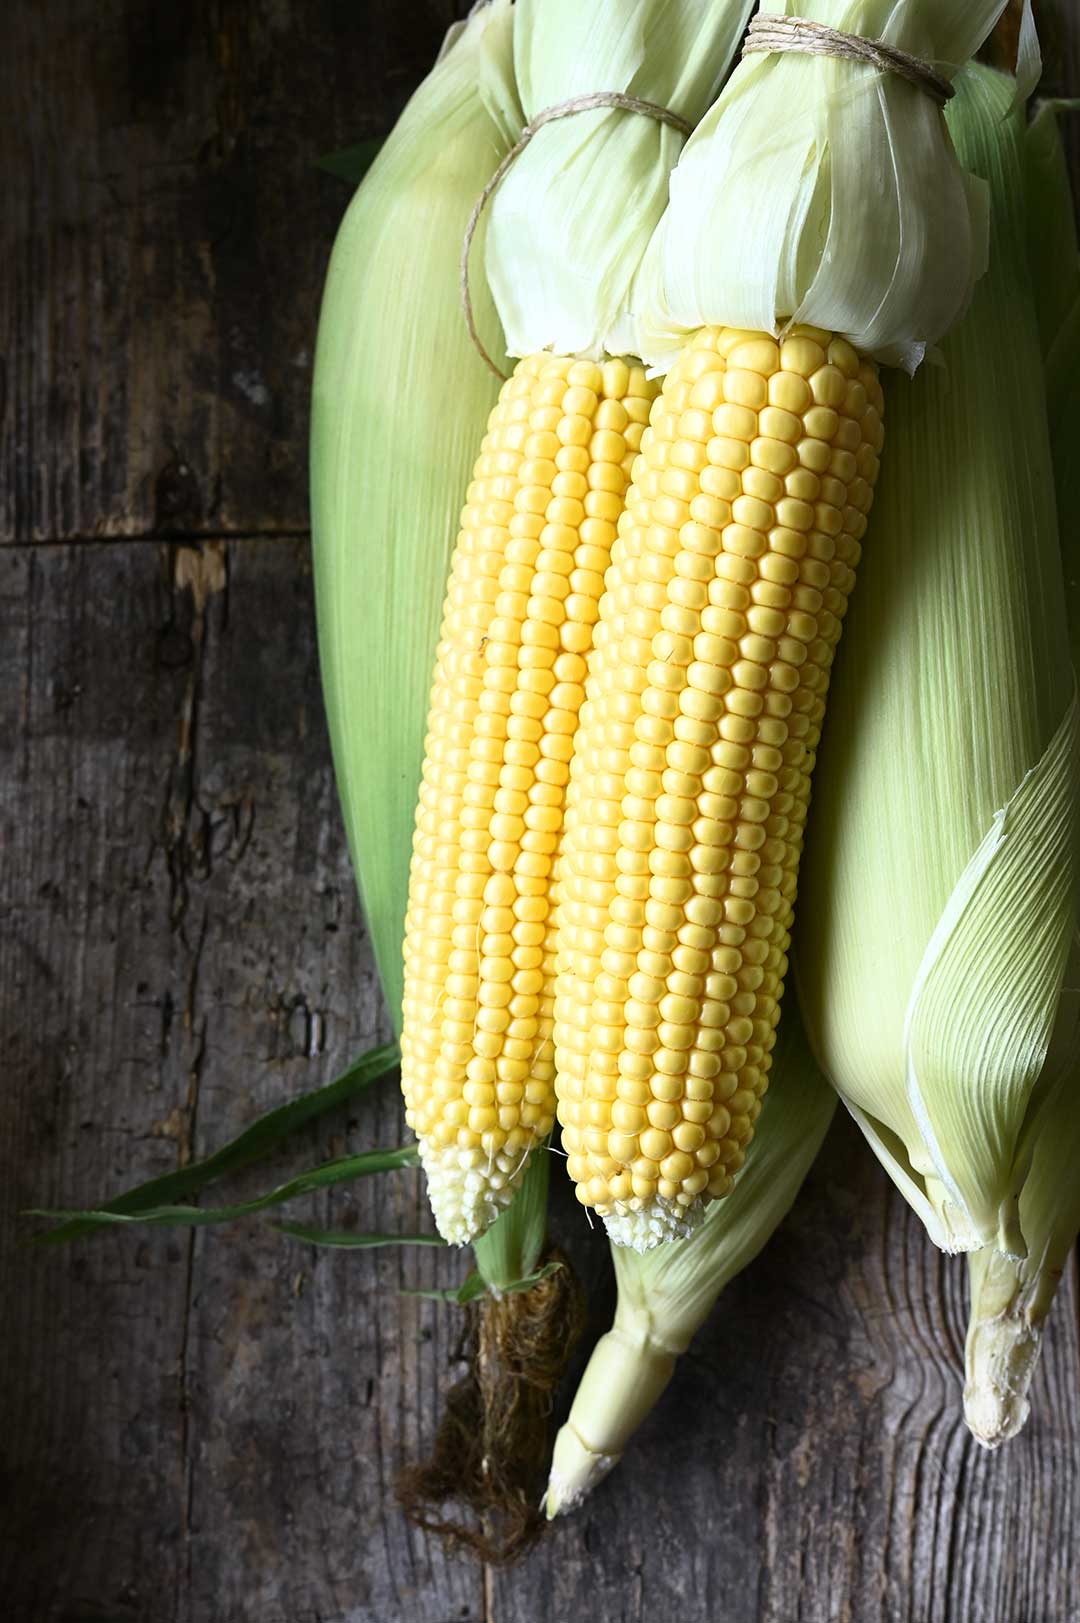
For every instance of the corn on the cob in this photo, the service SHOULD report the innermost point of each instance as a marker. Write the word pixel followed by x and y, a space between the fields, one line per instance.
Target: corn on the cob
pixel 525 584
pixel 691 778
pixel 727 589
pixel 538 526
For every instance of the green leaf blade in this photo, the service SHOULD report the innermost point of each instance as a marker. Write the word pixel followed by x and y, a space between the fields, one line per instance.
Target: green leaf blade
pixel 351 163
pixel 343 1170
pixel 351 1240
pixel 252 1145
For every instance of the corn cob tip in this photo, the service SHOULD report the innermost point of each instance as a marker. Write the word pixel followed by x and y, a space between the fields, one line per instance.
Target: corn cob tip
pixel 468 1188
pixel 576 1469
pixel 1001 1356
pixel 654 1223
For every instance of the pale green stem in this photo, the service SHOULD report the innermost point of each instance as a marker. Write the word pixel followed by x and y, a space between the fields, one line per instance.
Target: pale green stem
pixel 1009 1304
pixel 629 1369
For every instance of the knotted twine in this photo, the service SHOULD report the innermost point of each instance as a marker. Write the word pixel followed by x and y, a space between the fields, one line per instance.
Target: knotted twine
pixel 771 32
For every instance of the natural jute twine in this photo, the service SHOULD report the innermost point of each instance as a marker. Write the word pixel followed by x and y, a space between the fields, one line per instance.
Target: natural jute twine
pixel 562 109
pixel 770 32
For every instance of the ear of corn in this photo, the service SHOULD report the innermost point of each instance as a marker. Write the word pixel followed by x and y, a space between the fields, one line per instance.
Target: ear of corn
pixel 691 776
pixel 477 1060
pixel 1011 1297
pixel 664 1297
pixel 939 888
pixel 537 529
pixel 821 191
pixel 389 457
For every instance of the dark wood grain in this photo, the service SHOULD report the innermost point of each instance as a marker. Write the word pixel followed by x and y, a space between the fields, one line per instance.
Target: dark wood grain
pixel 206 1428
pixel 163 234
pixel 214 1420
pixel 810 1463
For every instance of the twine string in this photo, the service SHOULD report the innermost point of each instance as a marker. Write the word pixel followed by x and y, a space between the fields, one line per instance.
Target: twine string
pixel 769 31
pixel 563 109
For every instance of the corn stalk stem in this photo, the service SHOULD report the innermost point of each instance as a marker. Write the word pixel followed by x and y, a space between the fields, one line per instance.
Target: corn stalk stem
pixel 629 1370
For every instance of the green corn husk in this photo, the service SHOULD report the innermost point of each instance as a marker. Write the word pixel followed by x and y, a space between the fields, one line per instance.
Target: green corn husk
pixel 938 886
pixel 400 400
pixel 665 1295
pixel 1010 1297
pixel 818 190
pixel 392 450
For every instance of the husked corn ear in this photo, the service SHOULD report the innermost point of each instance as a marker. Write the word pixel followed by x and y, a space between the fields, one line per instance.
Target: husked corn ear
pixel 691 778
pixel 527 574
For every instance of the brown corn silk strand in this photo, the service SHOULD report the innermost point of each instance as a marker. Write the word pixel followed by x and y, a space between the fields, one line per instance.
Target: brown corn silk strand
pixel 481 1488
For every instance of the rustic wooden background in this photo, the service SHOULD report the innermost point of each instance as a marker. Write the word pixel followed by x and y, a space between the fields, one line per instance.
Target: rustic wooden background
pixel 205 1429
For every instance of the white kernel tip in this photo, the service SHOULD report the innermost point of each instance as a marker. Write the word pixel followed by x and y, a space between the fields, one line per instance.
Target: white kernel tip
pixel 654 1223
pixel 467 1191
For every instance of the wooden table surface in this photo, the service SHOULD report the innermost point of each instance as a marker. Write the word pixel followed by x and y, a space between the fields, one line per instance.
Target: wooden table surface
pixel 206 1427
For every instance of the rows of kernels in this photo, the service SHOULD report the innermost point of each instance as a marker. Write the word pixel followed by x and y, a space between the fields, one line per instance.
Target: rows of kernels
pixel 691 780
pixel 523 599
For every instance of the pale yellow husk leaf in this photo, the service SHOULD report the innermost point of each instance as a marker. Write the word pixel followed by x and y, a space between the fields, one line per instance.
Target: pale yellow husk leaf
pixel 666 1294
pixel 824 191
pixel 571 220
pixel 1011 1296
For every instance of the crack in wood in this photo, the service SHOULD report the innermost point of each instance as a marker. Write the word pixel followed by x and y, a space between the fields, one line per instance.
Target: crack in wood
pixel 186 823
pixel 155 538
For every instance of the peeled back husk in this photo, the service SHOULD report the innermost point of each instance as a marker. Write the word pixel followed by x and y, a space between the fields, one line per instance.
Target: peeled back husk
pixel 1011 1297
pixel 571 220
pixel 820 190
pixel 938 885
pixel 666 1294
pixel 400 400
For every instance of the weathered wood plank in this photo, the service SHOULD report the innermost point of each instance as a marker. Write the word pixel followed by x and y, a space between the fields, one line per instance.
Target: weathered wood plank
pixel 164 236
pixel 215 1420
pixel 207 1429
